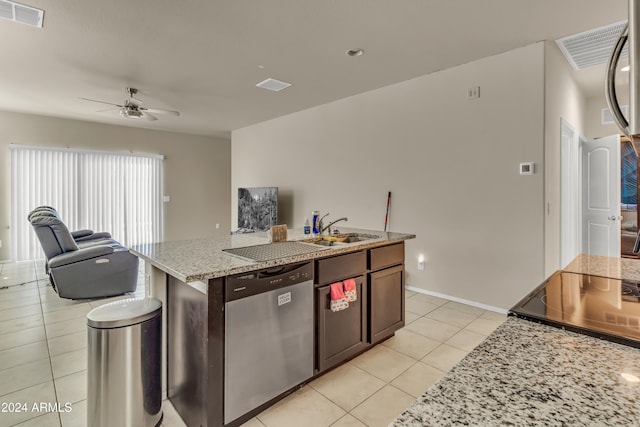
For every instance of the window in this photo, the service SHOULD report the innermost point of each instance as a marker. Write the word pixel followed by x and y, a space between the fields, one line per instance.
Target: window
pixel 102 191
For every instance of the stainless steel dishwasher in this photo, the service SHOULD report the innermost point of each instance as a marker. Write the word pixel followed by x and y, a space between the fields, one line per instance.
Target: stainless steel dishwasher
pixel 268 335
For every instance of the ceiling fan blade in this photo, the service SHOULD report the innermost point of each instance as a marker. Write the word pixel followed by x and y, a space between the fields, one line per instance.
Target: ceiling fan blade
pixel 149 116
pixel 102 102
pixel 108 109
pixel 160 111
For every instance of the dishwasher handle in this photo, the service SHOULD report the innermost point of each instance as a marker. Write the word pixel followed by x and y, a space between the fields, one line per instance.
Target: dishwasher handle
pixel 270 273
pixel 257 282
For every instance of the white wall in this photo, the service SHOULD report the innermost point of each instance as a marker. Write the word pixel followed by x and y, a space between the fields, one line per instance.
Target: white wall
pixel 563 99
pixel 450 163
pixel 197 171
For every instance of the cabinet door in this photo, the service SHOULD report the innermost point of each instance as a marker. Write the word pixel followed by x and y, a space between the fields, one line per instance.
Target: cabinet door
pixel 341 334
pixel 386 307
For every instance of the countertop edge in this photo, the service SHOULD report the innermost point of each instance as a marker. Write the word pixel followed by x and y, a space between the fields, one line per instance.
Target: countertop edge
pixel 322 252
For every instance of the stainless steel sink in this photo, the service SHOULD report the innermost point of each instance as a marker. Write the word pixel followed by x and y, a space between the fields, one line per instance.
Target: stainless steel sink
pixel 320 242
pixel 342 239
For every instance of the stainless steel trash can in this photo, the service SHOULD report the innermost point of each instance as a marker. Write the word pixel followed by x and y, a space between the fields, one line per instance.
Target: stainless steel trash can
pixel 124 378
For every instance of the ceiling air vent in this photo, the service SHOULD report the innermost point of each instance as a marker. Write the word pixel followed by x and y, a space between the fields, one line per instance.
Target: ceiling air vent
pixel 592 47
pixel 273 85
pixel 21 13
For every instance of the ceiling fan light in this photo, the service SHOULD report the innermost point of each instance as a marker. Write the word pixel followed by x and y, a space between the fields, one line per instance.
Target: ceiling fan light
pixel 130 114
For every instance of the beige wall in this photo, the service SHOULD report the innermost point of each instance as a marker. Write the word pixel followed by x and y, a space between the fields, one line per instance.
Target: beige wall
pixel 595 128
pixel 197 169
pixel 451 164
pixel 563 99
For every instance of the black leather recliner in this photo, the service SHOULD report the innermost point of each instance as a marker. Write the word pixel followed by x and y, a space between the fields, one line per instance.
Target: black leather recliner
pixel 93 266
pixel 87 236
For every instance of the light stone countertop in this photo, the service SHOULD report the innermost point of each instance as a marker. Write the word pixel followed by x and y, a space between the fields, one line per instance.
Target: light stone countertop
pixel 617 268
pixel 529 374
pixel 202 259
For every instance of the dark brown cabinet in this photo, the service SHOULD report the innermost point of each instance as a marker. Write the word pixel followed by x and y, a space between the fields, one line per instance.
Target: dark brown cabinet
pixel 386 302
pixel 386 291
pixel 332 269
pixel 378 313
pixel 341 334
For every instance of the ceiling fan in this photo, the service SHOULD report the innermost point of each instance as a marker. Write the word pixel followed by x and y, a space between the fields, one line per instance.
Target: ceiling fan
pixel 133 109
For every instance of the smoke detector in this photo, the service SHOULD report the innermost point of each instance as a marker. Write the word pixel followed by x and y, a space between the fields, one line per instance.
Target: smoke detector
pixel 20 13
pixel 592 47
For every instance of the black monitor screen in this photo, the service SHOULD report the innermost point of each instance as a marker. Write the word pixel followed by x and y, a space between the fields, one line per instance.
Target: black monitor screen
pixel 257 208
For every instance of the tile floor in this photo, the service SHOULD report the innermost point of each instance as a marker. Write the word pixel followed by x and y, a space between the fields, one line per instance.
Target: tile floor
pixel 43 348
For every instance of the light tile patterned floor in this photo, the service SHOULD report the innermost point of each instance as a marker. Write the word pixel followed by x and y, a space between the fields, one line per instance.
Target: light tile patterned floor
pixel 43 347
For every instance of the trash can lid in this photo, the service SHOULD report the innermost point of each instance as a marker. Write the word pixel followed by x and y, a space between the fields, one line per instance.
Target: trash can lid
pixel 124 312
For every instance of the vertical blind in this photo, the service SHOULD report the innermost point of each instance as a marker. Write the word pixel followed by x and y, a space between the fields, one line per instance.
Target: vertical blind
pixel 101 191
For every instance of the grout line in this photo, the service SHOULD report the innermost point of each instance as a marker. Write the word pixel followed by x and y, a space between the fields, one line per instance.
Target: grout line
pixel 24 388
pixel 46 338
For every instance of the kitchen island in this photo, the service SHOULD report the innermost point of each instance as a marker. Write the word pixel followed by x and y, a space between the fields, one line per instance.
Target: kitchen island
pixel 529 374
pixel 200 282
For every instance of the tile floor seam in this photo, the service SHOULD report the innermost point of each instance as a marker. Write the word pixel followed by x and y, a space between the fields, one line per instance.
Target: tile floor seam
pixel 24 388
pixel 445 322
pixel 336 403
pixel 389 382
pixel 364 401
pixel 53 379
pixel 23 363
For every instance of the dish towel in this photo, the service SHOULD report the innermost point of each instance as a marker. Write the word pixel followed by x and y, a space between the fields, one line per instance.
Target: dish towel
pixel 350 291
pixel 338 300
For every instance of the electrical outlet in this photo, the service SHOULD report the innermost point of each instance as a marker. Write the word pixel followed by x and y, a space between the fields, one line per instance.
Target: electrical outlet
pixel 421 265
pixel 473 92
pixel 217 226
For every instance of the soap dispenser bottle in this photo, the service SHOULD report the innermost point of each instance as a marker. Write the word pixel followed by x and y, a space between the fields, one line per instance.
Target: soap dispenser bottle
pixel 307 227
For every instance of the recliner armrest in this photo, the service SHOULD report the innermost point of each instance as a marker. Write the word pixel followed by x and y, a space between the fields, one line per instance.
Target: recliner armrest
pixel 92 236
pixel 80 255
pixel 81 233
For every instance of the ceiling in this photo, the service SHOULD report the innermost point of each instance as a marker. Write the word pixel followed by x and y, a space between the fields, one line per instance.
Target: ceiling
pixel 204 57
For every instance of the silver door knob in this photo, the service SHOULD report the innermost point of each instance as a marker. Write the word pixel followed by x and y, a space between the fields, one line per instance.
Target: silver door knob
pixel 615 217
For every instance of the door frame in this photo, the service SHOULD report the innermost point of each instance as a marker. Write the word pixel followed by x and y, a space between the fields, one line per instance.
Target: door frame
pixel 570 193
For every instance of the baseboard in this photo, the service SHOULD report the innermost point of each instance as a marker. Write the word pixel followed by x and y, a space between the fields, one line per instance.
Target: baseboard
pixel 456 299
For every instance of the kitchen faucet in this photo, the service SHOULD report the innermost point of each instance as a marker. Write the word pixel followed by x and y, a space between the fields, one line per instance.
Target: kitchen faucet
pixel 328 227
pixel 320 223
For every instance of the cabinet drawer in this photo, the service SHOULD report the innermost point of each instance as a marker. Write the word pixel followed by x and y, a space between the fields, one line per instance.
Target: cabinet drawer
pixel 386 256
pixel 340 267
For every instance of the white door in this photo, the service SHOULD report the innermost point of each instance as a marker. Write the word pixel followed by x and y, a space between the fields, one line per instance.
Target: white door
pixel 569 194
pixel 601 196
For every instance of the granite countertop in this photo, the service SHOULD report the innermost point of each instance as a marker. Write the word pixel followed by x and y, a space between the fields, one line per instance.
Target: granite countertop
pixel 528 374
pixel 616 268
pixel 202 259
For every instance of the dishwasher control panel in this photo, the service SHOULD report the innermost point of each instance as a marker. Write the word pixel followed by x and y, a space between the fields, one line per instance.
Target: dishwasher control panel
pixel 257 282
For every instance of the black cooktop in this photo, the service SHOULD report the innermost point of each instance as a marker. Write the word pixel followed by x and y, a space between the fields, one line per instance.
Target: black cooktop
pixel 598 306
